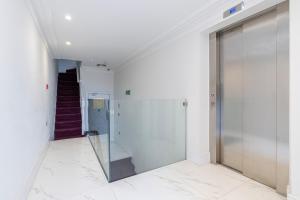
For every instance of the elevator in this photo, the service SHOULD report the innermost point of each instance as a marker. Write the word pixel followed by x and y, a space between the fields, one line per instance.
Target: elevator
pixel 249 97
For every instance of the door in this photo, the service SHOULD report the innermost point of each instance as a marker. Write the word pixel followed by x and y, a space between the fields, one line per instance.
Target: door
pixel 253 77
pixel 231 61
pixel 259 99
pixel 98 115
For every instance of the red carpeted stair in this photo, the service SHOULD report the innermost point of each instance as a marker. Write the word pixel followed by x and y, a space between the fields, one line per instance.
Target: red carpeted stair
pixel 68 113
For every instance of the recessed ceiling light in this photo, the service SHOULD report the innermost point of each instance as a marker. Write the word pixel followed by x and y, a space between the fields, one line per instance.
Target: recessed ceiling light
pixel 68 43
pixel 68 17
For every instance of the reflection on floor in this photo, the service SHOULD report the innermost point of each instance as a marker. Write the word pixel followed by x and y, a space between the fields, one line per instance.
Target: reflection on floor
pixel 71 171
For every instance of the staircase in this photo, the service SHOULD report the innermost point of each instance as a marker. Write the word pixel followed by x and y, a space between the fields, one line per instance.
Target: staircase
pixel 68 113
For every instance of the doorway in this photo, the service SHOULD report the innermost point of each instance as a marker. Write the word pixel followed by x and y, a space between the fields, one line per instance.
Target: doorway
pixel 98 115
pixel 249 98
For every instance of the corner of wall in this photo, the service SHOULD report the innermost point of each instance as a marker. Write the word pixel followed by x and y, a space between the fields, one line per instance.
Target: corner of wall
pixel 290 195
pixel 202 159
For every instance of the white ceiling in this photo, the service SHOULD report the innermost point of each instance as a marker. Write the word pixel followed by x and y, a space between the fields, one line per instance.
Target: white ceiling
pixel 109 30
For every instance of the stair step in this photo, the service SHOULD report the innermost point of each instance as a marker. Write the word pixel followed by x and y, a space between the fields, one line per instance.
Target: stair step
pixel 66 78
pixel 67 130
pixel 67 74
pixel 67 82
pixel 69 110
pixel 63 104
pixel 67 98
pixel 68 133
pixel 68 87
pixel 68 137
pixel 68 124
pixel 63 88
pixel 68 117
pixel 67 93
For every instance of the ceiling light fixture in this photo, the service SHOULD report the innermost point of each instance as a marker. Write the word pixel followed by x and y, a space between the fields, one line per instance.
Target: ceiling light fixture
pixel 68 43
pixel 68 17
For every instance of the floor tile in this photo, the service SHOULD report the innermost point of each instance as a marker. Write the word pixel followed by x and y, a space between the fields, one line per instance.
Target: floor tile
pixel 70 171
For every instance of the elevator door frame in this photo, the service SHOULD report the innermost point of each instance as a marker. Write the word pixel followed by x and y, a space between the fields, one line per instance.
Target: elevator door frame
pixel 215 97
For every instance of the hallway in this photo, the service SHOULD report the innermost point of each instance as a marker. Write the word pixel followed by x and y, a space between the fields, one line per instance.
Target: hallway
pixel 143 99
pixel 71 171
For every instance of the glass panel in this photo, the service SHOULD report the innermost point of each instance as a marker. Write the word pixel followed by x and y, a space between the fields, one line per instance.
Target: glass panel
pixel 148 134
pixel 98 122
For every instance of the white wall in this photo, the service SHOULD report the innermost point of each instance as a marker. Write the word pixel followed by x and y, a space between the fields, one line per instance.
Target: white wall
pixel 177 71
pixel 179 68
pixel 95 80
pixel 294 100
pixel 27 108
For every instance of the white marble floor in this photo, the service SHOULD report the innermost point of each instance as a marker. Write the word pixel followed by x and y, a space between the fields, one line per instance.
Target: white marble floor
pixel 71 171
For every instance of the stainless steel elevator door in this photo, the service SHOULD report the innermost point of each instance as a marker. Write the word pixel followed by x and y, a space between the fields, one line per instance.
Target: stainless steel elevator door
pixel 249 95
pixel 231 61
pixel 259 98
pixel 248 98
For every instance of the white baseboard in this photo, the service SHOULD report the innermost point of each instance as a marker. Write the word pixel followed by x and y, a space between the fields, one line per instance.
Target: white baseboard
pixel 290 196
pixel 34 172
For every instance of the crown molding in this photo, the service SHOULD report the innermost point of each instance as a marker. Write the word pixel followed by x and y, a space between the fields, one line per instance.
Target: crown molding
pixel 42 17
pixel 199 20
pixel 34 17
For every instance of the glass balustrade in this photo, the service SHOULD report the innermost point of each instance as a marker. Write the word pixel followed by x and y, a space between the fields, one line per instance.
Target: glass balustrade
pixel 147 134
pixel 99 130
